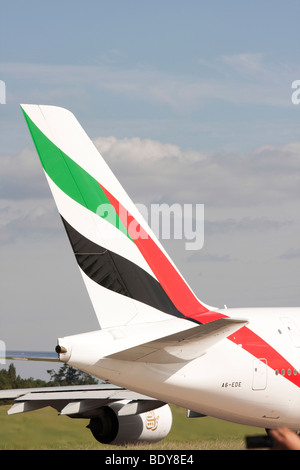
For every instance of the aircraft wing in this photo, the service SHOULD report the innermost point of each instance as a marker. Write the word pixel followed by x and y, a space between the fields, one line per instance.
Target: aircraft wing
pixel 117 416
pixel 82 401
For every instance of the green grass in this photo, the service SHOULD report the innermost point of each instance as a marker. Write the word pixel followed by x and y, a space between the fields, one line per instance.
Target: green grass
pixel 45 430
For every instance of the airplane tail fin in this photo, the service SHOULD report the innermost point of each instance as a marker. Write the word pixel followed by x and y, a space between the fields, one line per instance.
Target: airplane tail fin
pixel 128 275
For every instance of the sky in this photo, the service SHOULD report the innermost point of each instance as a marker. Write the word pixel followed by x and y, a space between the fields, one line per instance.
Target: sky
pixel 188 102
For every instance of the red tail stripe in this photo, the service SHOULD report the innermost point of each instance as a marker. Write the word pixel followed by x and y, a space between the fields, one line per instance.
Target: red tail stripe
pixel 168 277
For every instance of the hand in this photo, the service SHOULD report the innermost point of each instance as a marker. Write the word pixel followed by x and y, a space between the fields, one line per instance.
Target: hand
pixel 284 439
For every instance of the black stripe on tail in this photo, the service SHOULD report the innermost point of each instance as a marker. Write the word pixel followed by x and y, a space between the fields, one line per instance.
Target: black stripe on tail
pixel 117 273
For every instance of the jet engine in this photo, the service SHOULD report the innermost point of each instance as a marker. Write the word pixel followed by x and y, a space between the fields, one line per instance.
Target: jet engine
pixel 111 427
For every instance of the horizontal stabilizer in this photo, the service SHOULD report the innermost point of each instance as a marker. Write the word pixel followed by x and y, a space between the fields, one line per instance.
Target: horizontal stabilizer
pixel 183 346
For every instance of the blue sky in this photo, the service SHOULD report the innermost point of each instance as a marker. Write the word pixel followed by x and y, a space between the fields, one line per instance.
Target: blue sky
pixel 203 85
pixel 168 34
pixel 201 74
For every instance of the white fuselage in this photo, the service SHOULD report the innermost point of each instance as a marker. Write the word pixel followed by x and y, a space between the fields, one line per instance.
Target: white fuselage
pixel 251 378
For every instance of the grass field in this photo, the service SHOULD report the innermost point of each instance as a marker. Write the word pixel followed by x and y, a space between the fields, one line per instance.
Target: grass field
pixel 45 430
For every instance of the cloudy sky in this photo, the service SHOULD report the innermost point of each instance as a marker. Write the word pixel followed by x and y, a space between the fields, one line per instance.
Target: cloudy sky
pixel 190 103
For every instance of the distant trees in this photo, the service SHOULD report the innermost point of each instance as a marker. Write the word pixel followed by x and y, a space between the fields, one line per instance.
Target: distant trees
pixel 10 379
pixel 66 375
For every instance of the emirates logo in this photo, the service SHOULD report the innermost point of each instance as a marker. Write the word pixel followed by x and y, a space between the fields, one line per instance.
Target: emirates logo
pixel 151 420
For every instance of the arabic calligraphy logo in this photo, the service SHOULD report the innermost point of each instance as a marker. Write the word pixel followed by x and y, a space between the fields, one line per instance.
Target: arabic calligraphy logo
pixel 151 420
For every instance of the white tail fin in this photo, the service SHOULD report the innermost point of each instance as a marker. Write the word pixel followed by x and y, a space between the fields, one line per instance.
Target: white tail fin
pixel 130 278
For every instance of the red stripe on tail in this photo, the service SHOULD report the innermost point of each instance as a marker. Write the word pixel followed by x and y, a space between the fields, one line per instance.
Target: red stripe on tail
pixel 167 275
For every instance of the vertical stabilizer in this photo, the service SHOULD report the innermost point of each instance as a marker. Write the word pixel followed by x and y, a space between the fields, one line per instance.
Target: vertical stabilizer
pixel 129 278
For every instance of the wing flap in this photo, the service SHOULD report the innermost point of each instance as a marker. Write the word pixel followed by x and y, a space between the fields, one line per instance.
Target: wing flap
pixel 79 400
pixel 25 406
pixel 183 346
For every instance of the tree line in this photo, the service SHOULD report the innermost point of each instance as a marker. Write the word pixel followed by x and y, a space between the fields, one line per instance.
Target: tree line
pixel 66 375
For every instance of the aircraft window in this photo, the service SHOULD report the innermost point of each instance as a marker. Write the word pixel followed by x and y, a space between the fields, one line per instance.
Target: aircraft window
pixel 280 332
pixel 289 371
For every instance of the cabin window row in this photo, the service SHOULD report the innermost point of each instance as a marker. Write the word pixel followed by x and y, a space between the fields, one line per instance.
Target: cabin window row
pixel 284 371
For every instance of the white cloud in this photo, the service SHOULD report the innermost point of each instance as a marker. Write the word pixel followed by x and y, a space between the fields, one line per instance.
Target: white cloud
pixel 267 176
pixel 245 63
pixel 263 183
pixel 31 219
pixel 21 176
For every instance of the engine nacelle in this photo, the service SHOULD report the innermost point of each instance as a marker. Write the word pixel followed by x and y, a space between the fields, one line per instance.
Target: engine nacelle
pixel 152 426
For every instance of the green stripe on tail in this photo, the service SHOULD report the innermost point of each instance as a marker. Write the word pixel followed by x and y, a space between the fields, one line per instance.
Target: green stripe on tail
pixel 71 178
